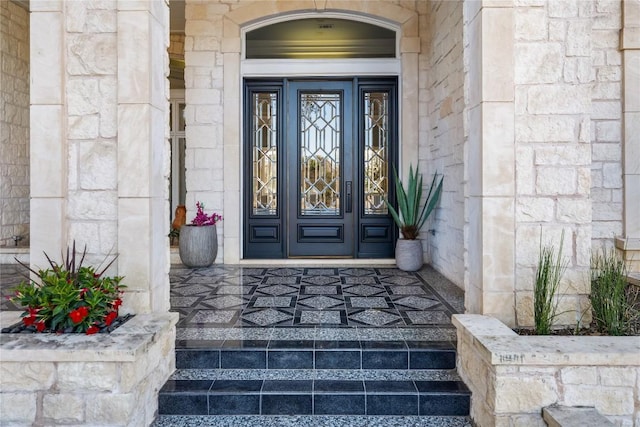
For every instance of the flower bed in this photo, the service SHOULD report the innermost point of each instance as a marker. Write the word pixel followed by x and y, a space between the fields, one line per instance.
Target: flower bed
pixel 513 377
pixel 86 380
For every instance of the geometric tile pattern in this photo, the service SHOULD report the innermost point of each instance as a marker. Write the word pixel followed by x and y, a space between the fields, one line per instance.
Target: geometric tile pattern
pixel 230 296
pixel 288 297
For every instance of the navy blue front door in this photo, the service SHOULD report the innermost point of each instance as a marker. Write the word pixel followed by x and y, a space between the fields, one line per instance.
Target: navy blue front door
pixel 317 162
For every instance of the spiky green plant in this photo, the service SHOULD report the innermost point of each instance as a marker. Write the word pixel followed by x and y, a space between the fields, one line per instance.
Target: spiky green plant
pixel 608 297
pixel 411 214
pixel 551 267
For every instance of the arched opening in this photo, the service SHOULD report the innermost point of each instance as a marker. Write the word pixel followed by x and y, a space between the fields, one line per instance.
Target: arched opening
pixel 328 38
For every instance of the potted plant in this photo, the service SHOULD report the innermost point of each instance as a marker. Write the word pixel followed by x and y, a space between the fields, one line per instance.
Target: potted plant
pixel 198 243
pixel 411 215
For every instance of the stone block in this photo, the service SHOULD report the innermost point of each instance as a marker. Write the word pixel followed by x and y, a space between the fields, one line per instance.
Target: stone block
pixel 89 376
pixel 83 127
pixel 559 99
pixel 607 400
pixel 524 394
pixel 556 181
pixel 531 24
pixel 587 375
pixel 577 211
pixel 563 8
pixel 20 377
pixel 18 408
pixel 562 416
pixel 534 209
pixel 563 155
pixel 578 41
pixel 538 63
pixel 98 166
pixel 92 54
pixel 608 131
pixel 617 376
pixel 607 110
pixel 64 408
pixel 111 409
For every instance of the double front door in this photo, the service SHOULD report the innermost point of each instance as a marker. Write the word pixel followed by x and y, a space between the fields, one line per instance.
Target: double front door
pixel 318 156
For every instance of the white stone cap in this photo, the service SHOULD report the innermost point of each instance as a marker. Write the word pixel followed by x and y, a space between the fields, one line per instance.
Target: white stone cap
pixel 122 345
pixel 501 346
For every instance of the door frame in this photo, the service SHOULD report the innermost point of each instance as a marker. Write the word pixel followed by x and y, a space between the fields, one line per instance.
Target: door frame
pixel 374 234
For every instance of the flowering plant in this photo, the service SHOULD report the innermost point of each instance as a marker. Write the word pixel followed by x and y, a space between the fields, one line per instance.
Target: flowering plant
pixel 202 218
pixel 69 297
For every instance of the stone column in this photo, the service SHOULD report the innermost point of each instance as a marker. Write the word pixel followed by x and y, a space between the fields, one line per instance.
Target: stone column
pixel 48 143
pixel 629 243
pixel 490 159
pixel 143 166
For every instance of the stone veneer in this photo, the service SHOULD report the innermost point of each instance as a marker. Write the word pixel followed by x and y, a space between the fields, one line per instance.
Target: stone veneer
pixel 14 123
pixel 104 379
pixel 513 377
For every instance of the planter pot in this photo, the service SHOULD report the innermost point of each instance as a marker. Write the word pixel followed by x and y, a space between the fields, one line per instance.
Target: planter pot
pixel 409 255
pixel 198 245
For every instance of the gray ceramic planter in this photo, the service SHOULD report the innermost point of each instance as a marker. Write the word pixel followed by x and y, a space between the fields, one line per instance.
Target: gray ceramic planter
pixel 198 245
pixel 409 255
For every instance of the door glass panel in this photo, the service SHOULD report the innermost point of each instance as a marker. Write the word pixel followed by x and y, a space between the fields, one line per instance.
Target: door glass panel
pixel 376 152
pixel 320 129
pixel 265 153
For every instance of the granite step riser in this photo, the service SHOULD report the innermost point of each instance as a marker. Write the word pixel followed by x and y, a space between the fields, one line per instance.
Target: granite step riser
pixel 430 404
pixel 315 359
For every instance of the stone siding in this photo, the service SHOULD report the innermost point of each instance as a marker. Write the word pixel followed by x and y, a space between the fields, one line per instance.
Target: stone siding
pixel 567 139
pixel 97 380
pixel 441 143
pixel 91 93
pixel 14 123
pixel 512 377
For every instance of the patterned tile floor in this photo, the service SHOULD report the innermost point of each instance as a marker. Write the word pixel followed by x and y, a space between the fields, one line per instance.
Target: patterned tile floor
pixel 304 297
pixel 241 297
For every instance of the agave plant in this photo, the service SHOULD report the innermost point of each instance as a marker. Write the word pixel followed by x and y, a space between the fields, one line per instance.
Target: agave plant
pixel 411 215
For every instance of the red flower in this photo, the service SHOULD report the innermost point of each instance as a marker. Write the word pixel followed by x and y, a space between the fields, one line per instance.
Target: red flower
pixel 92 330
pixel 79 314
pixel 28 321
pixel 117 303
pixel 33 312
pixel 83 291
pixel 109 318
pixel 40 326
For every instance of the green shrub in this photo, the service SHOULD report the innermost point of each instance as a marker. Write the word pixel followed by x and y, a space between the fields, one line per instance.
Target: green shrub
pixel 611 311
pixel 551 267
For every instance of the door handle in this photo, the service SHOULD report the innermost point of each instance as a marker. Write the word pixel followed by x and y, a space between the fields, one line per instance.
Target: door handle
pixel 348 202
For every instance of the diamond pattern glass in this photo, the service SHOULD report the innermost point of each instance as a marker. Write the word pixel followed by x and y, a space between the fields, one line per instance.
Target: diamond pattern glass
pixel 320 129
pixel 376 152
pixel 265 153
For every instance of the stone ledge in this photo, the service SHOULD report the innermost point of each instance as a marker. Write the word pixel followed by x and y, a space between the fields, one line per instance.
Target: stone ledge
pixel 505 347
pixel 122 345
pixel 567 416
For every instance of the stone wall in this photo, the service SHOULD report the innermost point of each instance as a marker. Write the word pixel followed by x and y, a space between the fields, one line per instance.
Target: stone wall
pixel 14 123
pixel 513 377
pixel 568 149
pixel 98 380
pixel 442 132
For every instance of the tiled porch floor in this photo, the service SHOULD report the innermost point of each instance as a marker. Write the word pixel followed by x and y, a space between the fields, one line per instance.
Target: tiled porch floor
pixel 225 296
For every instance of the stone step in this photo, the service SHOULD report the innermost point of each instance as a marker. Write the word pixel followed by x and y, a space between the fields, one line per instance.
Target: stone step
pixel 315 354
pixel 314 397
pixel 310 421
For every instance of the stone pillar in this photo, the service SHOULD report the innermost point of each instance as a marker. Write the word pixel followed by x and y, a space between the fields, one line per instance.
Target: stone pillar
pixel 143 166
pixel 629 242
pixel 48 136
pixel 99 148
pixel 490 159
